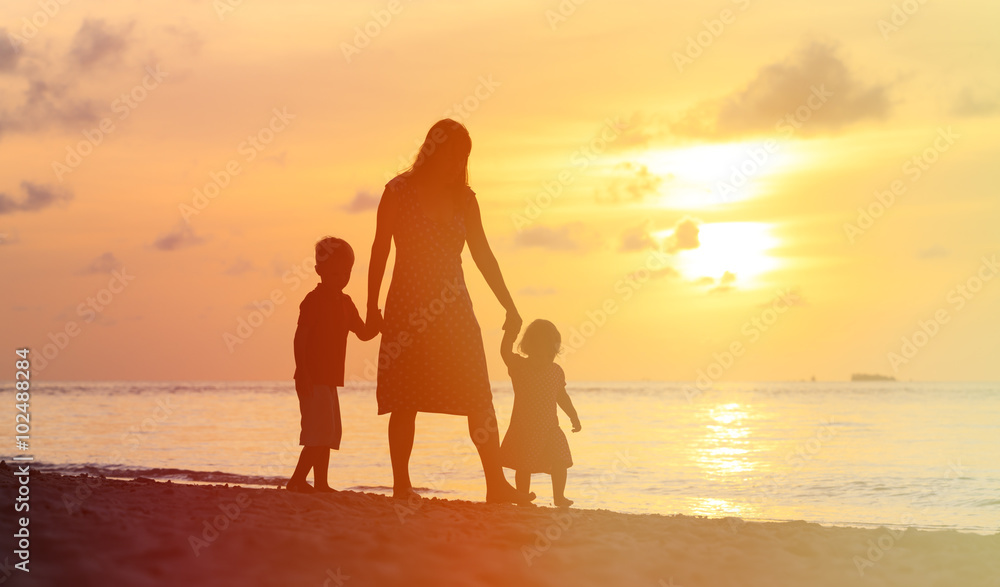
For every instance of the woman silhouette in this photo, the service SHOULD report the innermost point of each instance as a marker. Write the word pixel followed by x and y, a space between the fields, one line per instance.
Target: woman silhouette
pixel 431 356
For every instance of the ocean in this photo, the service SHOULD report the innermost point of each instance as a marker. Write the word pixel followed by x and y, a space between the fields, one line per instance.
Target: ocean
pixel 892 454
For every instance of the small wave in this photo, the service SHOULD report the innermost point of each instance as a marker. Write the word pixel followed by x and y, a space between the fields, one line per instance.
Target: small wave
pixel 163 474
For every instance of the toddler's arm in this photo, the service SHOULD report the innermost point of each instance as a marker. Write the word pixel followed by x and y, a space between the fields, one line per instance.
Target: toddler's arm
pixel 507 346
pixel 562 398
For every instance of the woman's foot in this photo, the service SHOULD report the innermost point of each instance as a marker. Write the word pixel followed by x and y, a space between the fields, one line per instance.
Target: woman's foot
pixel 507 494
pixel 562 502
pixel 324 489
pixel 299 486
pixel 405 494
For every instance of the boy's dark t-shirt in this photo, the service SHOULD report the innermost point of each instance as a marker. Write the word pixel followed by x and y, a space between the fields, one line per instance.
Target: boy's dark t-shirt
pixel 327 315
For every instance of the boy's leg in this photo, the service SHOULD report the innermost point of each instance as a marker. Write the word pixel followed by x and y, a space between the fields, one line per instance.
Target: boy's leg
pixel 523 481
pixel 298 480
pixel 321 465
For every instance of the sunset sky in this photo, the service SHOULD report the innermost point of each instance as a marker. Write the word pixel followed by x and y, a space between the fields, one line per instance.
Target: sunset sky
pixel 118 120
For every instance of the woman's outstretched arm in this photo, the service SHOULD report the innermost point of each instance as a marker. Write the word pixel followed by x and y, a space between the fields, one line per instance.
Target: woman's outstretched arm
pixel 483 256
pixel 380 254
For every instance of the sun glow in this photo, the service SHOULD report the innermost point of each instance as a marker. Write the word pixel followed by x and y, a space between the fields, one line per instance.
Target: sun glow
pixel 730 253
pixel 708 175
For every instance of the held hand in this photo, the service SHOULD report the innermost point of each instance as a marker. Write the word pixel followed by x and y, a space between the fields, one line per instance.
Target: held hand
pixel 576 426
pixel 513 322
pixel 374 319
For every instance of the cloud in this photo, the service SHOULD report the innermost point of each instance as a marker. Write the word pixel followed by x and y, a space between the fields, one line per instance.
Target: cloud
pixel 704 281
pixel 684 237
pixel 725 283
pixel 180 237
pixel 637 239
pixel 106 263
pixel 239 267
pixel 37 197
pixel 362 202
pixel 786 89
pixel 9 55
pixel 633 183
pixel 934 251
pixel 95 42
pixel 536 292
pixel 975 102
pixel 562 238
pixel 9 238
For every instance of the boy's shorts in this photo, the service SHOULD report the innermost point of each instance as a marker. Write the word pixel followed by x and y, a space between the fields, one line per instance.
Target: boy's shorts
pixel 320 409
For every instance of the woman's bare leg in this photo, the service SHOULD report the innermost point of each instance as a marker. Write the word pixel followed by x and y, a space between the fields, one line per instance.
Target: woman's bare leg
pixel 523 481
pixel 401 429
pixel 486 436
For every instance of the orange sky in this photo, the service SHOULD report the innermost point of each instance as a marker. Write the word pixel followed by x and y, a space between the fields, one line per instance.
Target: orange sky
pixel 114 116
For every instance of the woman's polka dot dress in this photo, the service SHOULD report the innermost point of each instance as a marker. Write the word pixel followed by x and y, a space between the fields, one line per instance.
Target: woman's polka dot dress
pixel 431 357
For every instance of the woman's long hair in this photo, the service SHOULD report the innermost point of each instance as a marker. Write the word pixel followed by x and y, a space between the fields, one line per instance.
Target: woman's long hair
pixel 443 159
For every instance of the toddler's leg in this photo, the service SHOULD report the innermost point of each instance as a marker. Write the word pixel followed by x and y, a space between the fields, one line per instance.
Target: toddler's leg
pixel 559 487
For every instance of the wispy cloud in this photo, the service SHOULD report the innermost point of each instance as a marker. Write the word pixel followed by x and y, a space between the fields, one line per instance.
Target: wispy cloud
pixel 106 263
pixel 97 42
pixel 781 89
pixel 569 237
pixel 180 237
pixel 37 197
pixel 362 202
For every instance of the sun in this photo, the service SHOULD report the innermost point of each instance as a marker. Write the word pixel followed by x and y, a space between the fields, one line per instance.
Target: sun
pixel 740 248
pixel 710 175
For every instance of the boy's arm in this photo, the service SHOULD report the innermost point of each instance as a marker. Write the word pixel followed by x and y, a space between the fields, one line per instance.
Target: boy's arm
pixel 562 398
pixel 299 344
pixel 507 346
pixel 367 330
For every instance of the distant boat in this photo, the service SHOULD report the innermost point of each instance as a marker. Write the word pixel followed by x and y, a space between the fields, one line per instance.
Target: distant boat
pixel 871 377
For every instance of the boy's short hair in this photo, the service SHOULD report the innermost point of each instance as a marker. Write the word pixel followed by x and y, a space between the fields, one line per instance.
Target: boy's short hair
pixel 333 249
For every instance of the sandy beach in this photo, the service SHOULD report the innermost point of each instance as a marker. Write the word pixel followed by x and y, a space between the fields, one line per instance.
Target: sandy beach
pixel 97 531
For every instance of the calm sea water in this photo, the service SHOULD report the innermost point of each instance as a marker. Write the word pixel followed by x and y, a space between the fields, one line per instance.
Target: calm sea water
pixel 894 454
